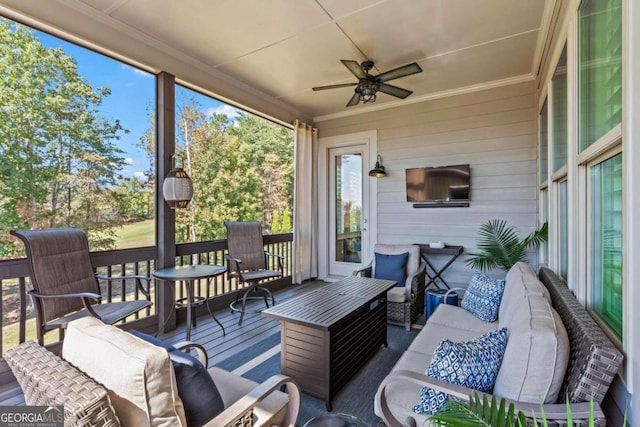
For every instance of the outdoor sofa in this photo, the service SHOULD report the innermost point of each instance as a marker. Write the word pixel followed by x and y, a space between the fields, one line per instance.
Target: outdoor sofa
pixel 554 351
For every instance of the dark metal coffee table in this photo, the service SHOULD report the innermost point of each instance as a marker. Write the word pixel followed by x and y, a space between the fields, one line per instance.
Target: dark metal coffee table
pixel 329 333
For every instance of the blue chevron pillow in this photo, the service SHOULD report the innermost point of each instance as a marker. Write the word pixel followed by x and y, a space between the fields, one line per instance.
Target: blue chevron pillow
pixel 474 364
pixel 483 296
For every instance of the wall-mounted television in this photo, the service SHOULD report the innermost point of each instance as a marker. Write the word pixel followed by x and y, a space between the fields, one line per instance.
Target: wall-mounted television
pixel 439 185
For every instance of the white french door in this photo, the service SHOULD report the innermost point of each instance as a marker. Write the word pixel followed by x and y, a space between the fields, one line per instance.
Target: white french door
pixel 347 197
pixel 348 236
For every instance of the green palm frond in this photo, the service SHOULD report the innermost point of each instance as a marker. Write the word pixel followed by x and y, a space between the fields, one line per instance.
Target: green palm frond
pixel 482 413
pixel 478 412
pixel 501 247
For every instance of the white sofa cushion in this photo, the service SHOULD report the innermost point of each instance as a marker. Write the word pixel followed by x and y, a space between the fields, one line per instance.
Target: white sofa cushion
pixel 414 361
pixel 536 356
pixel 457 317
pixel 138 376
pixel 426 342
pixel 521 281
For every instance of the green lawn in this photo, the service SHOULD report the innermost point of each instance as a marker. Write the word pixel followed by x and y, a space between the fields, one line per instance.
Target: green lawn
pixel 136 235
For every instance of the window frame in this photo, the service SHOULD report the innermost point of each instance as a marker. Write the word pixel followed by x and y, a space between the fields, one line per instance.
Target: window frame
pixel 614 151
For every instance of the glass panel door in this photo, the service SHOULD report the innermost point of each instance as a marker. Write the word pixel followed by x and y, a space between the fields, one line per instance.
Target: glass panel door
pixel 348 220
pixel 348 193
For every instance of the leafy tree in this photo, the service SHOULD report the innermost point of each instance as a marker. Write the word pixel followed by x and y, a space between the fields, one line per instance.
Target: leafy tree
pixel 226 184
pixel 58 152
pixel 241 169
pixel 275 223
pixel 272 154
pixel 133 199
pixel 286 222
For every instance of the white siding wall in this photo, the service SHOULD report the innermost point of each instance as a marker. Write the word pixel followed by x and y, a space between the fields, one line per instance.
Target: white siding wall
pixel 493 130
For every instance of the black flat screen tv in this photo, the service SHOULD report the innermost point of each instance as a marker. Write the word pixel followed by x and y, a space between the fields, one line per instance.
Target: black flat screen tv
pixel 444 184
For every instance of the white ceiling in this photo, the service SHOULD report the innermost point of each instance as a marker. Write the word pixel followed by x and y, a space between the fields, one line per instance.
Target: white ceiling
pixel 252 51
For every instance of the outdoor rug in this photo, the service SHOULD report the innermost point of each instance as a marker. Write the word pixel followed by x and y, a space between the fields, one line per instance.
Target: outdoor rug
pixel 355 398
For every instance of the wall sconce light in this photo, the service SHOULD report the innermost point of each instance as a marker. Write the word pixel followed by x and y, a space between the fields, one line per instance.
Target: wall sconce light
pixel 378 170
pixel 177 187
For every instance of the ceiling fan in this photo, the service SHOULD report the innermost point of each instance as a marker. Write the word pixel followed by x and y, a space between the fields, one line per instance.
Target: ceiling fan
pixel 368 85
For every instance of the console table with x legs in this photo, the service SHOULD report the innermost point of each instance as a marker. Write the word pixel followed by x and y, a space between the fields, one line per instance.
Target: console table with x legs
pixel 436 273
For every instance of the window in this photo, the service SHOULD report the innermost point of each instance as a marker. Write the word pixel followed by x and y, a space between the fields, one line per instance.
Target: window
pixel 559 127
pixel 544 216
pixel 563 234
pixel 559 119
pixel 72 121
pixel 543 155
pixel 605 257
pixel 241 166
pixel 600 69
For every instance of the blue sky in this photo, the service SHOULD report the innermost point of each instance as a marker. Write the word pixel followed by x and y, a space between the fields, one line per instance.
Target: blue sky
pixel 131 100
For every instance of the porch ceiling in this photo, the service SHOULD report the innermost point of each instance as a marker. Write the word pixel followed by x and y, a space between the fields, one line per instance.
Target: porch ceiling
pixel 267 55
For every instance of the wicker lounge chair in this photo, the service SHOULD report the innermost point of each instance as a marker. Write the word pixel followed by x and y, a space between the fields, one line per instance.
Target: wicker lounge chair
pixel 111 378
pixel 248 262
pixel 403 303
pixel 65 286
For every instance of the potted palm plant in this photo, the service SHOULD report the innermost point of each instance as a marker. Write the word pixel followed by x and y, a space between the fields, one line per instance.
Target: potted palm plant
pixel 500 246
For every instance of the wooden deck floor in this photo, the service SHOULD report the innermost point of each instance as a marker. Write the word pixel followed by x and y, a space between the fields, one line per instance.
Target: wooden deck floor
pixel 207 333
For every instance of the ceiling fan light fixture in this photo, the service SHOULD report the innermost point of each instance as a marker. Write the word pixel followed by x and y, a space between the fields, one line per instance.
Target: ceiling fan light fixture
pixel 367 91
pixel 368 86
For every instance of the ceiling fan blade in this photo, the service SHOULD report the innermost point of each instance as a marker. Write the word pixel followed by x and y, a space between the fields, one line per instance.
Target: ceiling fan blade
pixel 334 86
pixel 394 90
pixel 355 100
pixel 355 68
pixel 396 73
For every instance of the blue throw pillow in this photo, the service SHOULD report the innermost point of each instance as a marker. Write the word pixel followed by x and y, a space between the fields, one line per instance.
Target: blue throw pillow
pixel 391 267
pixel 483 297
pixel 474 364
pixel 198 392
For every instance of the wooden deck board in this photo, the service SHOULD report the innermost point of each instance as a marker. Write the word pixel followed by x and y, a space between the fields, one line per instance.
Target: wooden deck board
pixel 254 329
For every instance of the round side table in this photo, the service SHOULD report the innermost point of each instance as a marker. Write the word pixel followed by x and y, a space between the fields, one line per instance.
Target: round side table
pixel 190 273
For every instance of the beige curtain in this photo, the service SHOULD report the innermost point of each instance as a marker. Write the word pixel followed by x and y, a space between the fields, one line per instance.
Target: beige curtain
pixel 305 212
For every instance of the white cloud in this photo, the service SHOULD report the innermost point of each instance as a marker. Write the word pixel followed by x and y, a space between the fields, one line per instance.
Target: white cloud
pixel 230 111
pixel 136 70
pixel 140 175
pixel 128 161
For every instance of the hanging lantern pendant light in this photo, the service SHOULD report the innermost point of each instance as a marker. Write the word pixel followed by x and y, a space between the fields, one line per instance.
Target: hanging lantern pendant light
pixel 177 187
